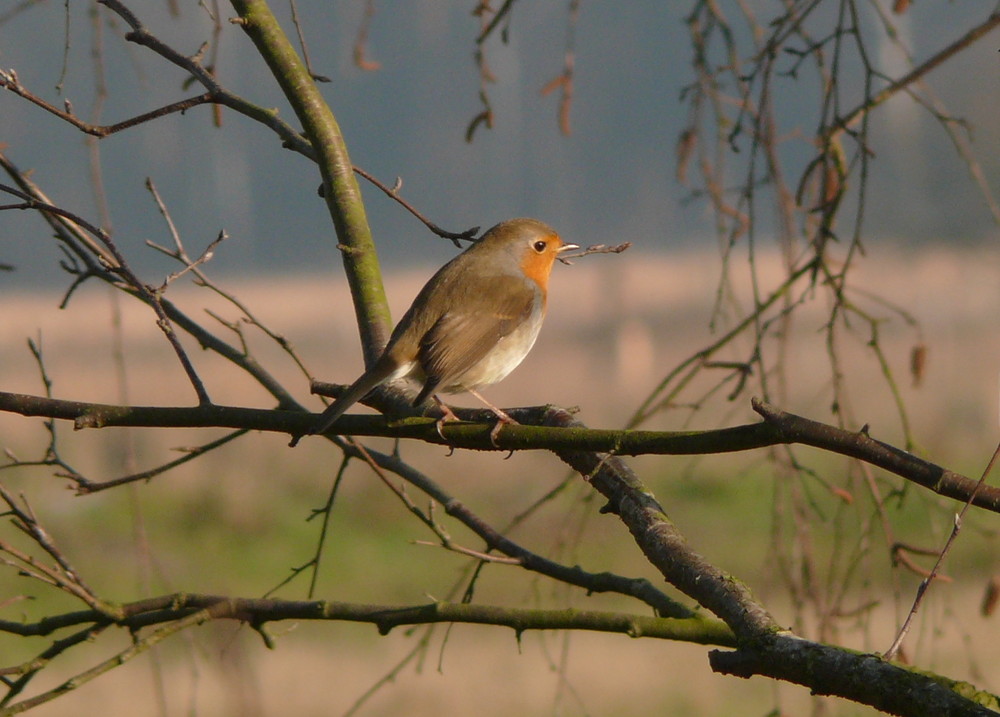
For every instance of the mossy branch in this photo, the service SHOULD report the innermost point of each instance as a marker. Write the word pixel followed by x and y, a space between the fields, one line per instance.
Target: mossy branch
pixel 551 431
pixel 340 188
pixel 258 611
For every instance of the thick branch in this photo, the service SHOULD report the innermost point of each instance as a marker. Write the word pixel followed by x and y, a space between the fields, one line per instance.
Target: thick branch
pixel 866 678
pixel 796 429
pixel 257 611
pixel 663 545
pixel 779 427
pixel 765 648
pixel 340 188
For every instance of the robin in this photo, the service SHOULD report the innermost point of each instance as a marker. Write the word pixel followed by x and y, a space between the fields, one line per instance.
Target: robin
pixel 471 324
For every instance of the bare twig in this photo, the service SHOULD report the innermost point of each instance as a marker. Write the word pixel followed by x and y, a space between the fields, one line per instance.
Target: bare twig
pixel 393 193
pixel 64 576
pixel 189 264
pixel 303 45
pixel 122 269
pixel 926 582
pixel 483 9
pixel 497 540
pixel 85 486
pixel 450 545
pixel 936 60
pixel 10 81
pixel 597 249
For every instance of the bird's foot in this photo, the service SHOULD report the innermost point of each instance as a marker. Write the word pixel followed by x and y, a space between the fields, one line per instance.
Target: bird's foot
pixel 502 420
pixel 449 415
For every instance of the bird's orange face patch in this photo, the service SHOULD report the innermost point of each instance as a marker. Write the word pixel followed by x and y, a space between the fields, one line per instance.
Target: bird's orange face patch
pixel 539 255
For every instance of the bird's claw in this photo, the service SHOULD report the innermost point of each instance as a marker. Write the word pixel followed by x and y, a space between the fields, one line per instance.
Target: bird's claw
pixel 502 420
pixel 449 415
pixel 438 425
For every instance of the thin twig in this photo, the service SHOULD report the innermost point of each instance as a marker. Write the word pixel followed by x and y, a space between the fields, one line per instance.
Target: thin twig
pixel 122 269
pixel 917 73
pixel 926 582
pixel 596 249
pixel 10 81
pixel 85 486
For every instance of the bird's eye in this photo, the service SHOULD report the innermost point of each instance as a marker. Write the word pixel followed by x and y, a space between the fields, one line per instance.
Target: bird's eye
pixel 539 246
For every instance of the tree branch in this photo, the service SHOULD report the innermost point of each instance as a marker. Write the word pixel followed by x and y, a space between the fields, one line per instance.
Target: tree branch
pixel 340 188
pixel 765 648
pixel 968 39
pixel 778 428
pixel 167 608
pixel 865 678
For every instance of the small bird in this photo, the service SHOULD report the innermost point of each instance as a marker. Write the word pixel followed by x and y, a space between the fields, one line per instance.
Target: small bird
pixel 471 324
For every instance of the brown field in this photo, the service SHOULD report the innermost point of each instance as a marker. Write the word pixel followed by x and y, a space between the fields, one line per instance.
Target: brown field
pixel 234 522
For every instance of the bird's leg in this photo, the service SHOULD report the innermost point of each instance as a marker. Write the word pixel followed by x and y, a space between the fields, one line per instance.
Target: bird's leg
pixel 504 419
pixel 449 415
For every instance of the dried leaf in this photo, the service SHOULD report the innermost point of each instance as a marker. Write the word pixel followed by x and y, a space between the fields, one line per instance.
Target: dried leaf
pixel 552 84
pixel 918 363
pixel 991 596
pixel 844 495
pixel 685 148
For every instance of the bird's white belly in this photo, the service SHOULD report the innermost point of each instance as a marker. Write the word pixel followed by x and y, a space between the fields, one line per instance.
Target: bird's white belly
pixel 500 361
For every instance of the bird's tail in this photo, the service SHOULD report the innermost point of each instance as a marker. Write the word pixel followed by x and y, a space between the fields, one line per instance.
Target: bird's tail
pixel 371 378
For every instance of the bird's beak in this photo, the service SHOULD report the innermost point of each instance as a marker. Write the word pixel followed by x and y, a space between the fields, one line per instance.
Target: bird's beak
pixel 565 247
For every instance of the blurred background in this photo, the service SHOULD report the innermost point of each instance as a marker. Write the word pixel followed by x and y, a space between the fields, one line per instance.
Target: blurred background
pixel 612 179
pixel 235 522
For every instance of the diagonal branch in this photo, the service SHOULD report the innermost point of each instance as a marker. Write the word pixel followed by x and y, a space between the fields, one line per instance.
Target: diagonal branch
pixel 121 269
pixel 639 588
pixel 917 73
pixel 764 647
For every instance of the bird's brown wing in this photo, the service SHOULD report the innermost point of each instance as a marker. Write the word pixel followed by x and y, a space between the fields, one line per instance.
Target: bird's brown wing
pixel 471 327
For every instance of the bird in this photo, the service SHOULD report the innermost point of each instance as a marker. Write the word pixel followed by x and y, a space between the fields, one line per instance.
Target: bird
pixel 473 322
